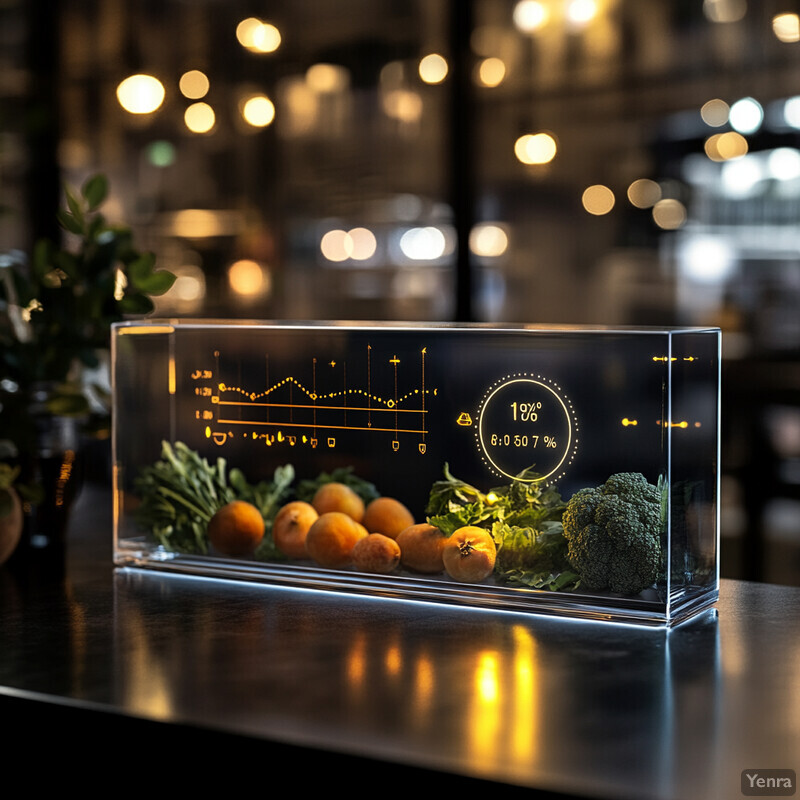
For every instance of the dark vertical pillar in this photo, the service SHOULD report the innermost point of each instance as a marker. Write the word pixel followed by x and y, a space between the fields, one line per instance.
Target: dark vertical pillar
pixel 462 161
pixel 42 182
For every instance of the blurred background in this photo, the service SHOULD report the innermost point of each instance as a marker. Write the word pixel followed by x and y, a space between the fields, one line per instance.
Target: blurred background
pixel 573 161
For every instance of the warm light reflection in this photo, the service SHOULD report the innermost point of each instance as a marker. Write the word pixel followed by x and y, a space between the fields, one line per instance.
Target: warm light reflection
pixel 644 193
pixel 581 12
pixel 598 199
pixel 247 278
pixel 535 148
pixel 433 68
pixel 491 72
pixel 724 10
pixel 423 687
pixel 525 728
pixel 194 84
pixel 486 721
pixel 786 27
pixel 258 111
pixel 140 94
pixel 403 105
pixel 669 214
pixel 393 660
pixel 715 112
pixel 488 240
pixel 530 15
pixel 327 78
pixel 358 244
pixel 722 146
pixel 199 118
pixel 258 36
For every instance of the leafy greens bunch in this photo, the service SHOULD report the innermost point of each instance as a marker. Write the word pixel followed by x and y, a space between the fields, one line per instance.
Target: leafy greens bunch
pixel 182 491
pixel 524 519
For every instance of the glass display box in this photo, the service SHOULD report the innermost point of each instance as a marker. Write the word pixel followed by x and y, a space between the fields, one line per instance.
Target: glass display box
pixel 547 469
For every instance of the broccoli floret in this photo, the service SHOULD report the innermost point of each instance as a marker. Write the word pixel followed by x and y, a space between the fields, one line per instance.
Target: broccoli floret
pixel 613 534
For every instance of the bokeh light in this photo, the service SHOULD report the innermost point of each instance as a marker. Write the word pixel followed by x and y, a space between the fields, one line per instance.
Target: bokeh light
pixel 327 78
pixel 746 115
pixel 669 214
pixel 724 10
pixel 535 148
pixel 530 15
pixel 491 72
pixel 194 84
pixel 715 112
pixel 581 12
pixel 161 153
pixel 644 193
pixel 722 146
pixel 358 244
pixel 141 94
pixel 433 68
pixel 598 199
pixel 200 118
pixel 488 240
pixel 786 27
pixel 248 278
pixel 258 111
pixel 423 244
pixel 258 36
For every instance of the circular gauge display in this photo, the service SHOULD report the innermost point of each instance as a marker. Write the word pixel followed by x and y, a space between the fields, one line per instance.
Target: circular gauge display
pixel 526 422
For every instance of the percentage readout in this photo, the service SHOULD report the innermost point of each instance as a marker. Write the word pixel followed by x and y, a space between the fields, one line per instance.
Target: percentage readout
pixel 525 412
pixel 526 426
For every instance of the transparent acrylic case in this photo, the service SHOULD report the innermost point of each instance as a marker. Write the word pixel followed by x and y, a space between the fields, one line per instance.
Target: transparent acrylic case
pixel 450 420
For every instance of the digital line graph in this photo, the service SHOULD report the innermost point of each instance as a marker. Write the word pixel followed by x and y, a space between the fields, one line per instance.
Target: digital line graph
pixel 315 401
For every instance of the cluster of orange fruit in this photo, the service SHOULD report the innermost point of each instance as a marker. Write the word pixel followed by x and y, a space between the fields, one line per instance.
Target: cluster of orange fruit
pixel 337 529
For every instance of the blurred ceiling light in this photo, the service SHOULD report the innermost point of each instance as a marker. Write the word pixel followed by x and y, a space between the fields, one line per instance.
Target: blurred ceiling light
pixel 488 240
pixel 491 72
pixel 140 94
pixel 598 199
pixel 248 278
pixel 358 244
pixel 258 111
pixel 188 291
pixel 644 193
pixel 433 68
pixel 199 118
pixel 423 244
pixel 581 12
pixel 669 214
pixel 723 146
pixel 791 112
pixel 746 115
pixel 402 104
pixel 327 78
pixel 741 176
pixel 783 164
pixel 258 36
pixel 786 27
pixel 194 84
pixel 706 259
pixel 715 112
pixel 724 10
pixel 199 223
pixel 161 153
pixel 535 148
pixel 530 15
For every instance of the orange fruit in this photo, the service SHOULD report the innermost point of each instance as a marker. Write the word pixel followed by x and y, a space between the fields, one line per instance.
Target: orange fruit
pixel 335 496
pixel 330 540
pixel 469 554
pixel 387 516
pixel 291 526
pixel 376 553
pixel 421 548
pixel 236 529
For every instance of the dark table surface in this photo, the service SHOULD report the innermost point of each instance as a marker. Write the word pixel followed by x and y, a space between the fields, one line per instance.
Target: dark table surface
pixel 166 669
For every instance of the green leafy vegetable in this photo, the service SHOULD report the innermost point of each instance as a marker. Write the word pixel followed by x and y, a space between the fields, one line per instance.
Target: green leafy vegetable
pixel 182 491
pixel 524 518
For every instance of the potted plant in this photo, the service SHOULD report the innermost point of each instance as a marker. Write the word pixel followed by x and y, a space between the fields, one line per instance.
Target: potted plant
pixel 56 309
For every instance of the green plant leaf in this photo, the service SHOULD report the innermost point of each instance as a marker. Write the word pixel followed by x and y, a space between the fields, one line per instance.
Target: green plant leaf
pixel 68 221
pixel 143 277
pixel 95 191
pixel 135 303
pixel 68 405
pixel 75 207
